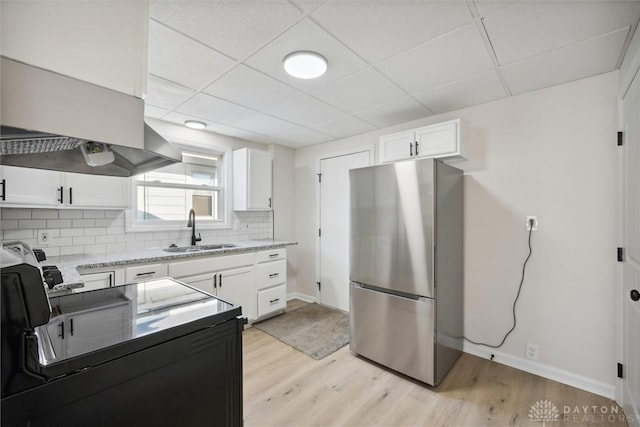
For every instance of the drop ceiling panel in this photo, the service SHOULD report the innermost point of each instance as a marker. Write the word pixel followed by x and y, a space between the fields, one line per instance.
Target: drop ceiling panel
pixel 264 124
pixel 344 126
pixel 306 36
pixel 531 28
pixel 236 28
pixel 393 113
pixel 154 112
pixel 183 60
pixel 379 29
pixel 304 110
pixel 299 136
pixel 251 88
pixel 308 5
pixel 585 59
pixel 473 90
pixel 214 109
pixel 165 94
pixel 448 58
pixel 180 118
pixel 361 90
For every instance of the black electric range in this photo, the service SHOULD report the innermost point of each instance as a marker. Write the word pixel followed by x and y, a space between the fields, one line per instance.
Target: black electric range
pixel 151 353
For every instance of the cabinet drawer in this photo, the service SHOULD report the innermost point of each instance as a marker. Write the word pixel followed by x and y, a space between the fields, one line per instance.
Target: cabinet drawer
pixel 141 273
pixel 271 300
pixel 210 264
pixel 272 255
pixel 272 273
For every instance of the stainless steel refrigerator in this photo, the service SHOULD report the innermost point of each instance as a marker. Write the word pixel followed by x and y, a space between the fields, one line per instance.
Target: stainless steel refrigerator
pixel 406 266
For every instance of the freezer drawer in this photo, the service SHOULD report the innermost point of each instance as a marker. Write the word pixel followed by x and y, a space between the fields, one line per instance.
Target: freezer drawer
pixel 394 331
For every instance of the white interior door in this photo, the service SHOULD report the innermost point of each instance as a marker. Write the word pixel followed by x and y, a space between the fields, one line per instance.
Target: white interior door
pixel 334 226
pixel 631 264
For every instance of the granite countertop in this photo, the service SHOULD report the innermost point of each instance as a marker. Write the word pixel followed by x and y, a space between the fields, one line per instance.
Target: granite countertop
pixel 70 264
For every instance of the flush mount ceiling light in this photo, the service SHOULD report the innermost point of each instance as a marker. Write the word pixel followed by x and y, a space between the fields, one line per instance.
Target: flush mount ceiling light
pixel 305 65
pixel 193 124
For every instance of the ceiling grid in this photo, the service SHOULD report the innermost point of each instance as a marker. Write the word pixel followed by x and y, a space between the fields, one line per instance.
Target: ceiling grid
pixel 389 62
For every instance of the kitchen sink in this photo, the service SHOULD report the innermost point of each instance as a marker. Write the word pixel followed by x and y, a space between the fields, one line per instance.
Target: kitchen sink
pixel 200 248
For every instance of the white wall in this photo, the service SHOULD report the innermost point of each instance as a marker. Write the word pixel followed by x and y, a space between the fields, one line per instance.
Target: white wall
pixel 549 153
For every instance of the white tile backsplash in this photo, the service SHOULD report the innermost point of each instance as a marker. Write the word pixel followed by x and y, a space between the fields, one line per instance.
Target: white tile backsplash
pixel 75 232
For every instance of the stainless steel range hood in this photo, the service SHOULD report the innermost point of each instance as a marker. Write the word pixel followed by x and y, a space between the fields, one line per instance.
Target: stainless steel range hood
pixel 48 120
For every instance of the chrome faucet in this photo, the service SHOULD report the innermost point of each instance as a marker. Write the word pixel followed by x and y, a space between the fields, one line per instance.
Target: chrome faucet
pixel 192 223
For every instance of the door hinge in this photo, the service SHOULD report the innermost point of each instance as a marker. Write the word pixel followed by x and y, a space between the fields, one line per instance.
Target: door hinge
pixel 319 285
pixel 319 232
pixel 319 178
pixel 620 370
pixel 620 254
pixel 620 138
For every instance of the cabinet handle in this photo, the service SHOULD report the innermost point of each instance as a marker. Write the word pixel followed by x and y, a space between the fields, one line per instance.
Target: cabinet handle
pixel 148 273
pixel 416 148
pixel 273 255
pixel 411 149
pixel 274 301
pixel 221 280
pixel 215 281
pixel 269 201
pixel 71 326
pixel 61 330
pixel 61 190
pixel 272 275
pixel 4 190
pixel 71 194
pixel 110 280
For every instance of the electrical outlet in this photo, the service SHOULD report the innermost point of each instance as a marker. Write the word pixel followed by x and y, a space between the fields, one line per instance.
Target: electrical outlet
pixel 532 351
pixel 528 223
pixel 43 237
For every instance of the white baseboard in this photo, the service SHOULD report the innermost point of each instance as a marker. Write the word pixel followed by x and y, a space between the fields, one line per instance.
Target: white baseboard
pixel 546 371
pixel 303 297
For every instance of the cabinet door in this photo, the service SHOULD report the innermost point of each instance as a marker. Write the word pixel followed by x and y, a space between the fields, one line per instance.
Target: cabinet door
pixel 26 186
pixel 438 140
pixel 259 185
pixel 237 286
pixel 97 281
pixel 397 146
pixel 96 191
pixel 203 282
pixel 251 179
pixel 93 329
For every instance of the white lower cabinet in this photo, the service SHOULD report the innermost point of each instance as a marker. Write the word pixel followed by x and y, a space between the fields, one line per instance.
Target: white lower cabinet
pixel 100 278
pixel 97 280
pixel 254 280
pixel 271 281
pixel 141 273
pixel 272 300
pixel 229 277
pixel 82 330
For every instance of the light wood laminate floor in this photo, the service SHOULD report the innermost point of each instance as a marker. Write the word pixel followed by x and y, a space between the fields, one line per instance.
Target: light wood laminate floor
pixel 284 387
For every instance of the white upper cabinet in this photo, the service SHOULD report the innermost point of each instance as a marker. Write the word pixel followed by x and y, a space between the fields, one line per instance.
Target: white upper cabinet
pixel 100 42
pixel 251 180
pixel 96 191
pixel 29 187
pixel 439 140
pixel 26 187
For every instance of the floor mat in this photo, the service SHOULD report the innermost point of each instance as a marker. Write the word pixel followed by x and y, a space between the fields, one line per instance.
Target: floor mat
pixel 313 329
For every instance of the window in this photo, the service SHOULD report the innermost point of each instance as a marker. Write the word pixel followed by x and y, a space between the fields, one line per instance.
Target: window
pixel 163 198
